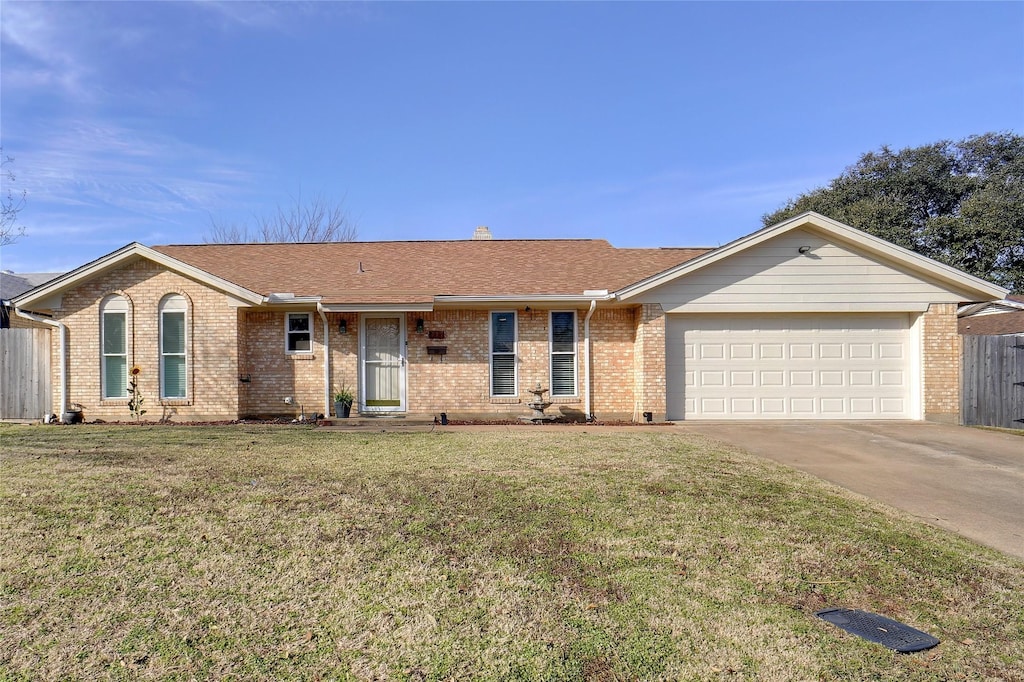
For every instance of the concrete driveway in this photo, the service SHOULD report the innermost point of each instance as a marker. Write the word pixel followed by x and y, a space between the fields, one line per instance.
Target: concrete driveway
pixel 970 481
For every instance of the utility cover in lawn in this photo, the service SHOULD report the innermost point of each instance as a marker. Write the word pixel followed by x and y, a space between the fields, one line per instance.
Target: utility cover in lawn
pixel 875 628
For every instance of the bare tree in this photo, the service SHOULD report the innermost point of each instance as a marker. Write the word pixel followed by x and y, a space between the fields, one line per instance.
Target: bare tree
pixel 10 205
pixel 316 220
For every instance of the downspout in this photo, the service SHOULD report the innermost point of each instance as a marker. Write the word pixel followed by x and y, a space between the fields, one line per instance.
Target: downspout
pixel 586 360
pixel 327 361
pixel 63 354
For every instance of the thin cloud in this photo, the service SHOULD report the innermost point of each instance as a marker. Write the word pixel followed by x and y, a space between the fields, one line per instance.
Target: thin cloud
pixel 277 16
pixel 97 162
pixel 41 50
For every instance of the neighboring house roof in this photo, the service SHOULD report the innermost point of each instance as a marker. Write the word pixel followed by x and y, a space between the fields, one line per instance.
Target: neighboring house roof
pixel 417 272
pixel 993 318
pixel 14 284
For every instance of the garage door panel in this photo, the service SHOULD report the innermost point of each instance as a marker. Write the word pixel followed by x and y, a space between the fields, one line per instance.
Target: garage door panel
pixel 833 406
pixel 890 350
pixel 745 378
pixel 801 351
pixel 893 406
pixel 712 351
pixel 798 366
pixel 831 351
pixel 862 351
pixel 831 378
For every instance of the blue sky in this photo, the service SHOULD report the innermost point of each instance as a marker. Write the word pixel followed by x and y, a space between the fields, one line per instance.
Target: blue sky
pixel 647 124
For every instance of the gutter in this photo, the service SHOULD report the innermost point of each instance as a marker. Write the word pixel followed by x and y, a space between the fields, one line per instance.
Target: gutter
pixel 63 353
pixel 327 360
pixel 551 299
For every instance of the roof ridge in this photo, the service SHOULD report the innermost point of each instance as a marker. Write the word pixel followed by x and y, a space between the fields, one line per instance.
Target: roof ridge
pixel 401 241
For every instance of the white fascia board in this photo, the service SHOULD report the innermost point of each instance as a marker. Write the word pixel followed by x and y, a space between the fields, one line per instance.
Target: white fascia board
pixel 377 307
pixel 740 309
pixel 114 259
pixel 990 308
pixel 833 228
pixel 542 299
pixel 288 301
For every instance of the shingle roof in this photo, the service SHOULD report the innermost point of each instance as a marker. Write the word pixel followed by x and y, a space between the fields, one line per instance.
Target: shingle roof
pixel 993 323
pixel 16 283
pixel 415 272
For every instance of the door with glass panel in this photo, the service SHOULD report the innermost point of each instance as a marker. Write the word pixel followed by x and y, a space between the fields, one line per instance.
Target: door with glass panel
pixel 383 364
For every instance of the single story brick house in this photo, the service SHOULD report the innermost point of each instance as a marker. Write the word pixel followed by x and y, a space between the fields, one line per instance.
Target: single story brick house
pixel 806 319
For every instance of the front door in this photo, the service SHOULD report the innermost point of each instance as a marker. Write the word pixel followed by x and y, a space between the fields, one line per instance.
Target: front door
pixel 383 350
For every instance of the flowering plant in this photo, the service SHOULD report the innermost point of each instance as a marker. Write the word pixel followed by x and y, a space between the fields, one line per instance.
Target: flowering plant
pixel 135 399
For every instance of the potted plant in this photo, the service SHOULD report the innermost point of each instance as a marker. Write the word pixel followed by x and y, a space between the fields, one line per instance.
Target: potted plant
pixel 343 400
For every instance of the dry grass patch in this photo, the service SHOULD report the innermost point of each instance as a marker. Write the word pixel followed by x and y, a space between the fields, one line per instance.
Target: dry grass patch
pixel 291 553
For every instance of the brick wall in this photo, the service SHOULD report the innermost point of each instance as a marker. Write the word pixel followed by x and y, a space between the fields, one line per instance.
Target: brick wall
pixel 941 363
pixel 238 365
pixel 19 322
pixel 458 382
pixel 649 362
pixel 613 372
pixel 273 373
pixel 212 337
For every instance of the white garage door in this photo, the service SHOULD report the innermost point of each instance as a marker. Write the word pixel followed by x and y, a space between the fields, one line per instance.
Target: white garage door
pixel 789 367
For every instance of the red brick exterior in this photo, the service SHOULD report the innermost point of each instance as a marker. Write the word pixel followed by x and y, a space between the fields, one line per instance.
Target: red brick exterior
pixel 237 364
pixel 212 339
pixel 941 355
pixel 650 383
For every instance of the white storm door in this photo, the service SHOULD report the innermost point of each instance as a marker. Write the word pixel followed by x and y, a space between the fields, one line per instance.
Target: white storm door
pixel 383 375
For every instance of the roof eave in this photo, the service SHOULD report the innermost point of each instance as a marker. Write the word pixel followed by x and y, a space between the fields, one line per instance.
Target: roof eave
pixel 540 299
pixel 377 307
pixel 110 261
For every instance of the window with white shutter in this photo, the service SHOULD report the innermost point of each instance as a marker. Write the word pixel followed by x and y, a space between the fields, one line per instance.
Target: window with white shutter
pixel 503 354
pixel 563 353
pixel 114 315
pixel 173 347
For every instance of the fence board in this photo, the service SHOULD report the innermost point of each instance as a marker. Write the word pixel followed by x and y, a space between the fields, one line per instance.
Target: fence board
pixel 992 382
pixel 24 373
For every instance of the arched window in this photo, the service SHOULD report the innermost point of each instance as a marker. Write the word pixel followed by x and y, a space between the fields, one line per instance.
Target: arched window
pixel 114 332
pixel 173 347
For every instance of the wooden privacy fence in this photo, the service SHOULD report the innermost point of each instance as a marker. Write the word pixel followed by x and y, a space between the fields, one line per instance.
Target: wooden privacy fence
pixel 992 389
pixel 24 373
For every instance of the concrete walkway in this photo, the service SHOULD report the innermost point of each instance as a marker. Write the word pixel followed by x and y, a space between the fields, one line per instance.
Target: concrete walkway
pixel 967 480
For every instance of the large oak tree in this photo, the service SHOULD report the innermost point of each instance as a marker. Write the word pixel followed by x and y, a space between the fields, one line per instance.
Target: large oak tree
pixel 961 203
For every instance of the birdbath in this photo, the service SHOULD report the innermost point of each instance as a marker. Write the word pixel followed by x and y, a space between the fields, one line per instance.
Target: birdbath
pixel 538 405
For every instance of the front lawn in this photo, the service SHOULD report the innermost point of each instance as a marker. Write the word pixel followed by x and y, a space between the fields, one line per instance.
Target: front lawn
pixel 265 553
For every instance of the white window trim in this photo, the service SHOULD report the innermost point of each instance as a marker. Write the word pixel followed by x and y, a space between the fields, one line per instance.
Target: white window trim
pixel 113 305
pixel 309 318
pixel 515 353
pixel 551 353
pixel 174 303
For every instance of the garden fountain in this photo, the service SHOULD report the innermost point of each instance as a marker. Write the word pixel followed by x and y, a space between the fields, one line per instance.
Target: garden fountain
pixel 538 405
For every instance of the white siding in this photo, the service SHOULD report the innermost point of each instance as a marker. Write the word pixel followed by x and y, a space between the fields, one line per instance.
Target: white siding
pixel 773 276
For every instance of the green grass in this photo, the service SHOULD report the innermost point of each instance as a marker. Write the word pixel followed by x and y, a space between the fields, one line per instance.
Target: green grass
pixel 290 553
